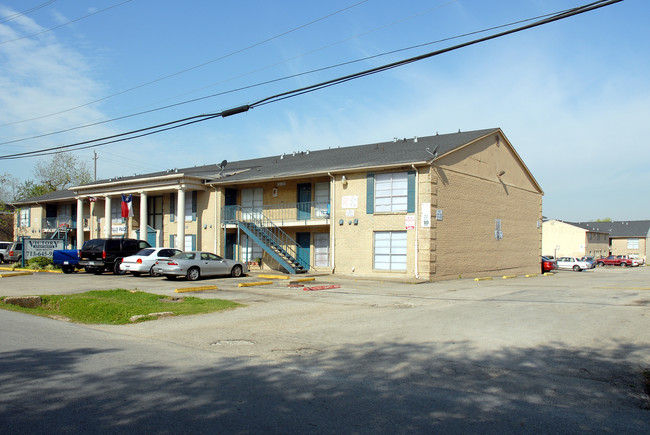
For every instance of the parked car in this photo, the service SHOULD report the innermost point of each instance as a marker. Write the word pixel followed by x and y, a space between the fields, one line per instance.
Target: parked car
pixel 631 261
pixel 4 250
pixel 590 260
pixel 194 264
pixel 14 252
pixel 614 260
pixel 98 255
pixel 548 264
pixel 145 260
pixel 572 263
pixel 68 259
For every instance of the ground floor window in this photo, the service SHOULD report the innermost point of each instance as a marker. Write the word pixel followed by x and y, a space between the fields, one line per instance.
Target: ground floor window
pixel 249 249
pixel 390 250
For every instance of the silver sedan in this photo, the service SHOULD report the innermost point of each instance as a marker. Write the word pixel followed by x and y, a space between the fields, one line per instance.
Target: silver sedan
pixel 195 264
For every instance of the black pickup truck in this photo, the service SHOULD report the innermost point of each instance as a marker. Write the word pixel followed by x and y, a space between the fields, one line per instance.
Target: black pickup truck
pixel 98 255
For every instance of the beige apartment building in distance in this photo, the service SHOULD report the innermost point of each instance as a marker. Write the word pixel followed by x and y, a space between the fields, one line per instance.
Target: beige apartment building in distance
pixel 431 208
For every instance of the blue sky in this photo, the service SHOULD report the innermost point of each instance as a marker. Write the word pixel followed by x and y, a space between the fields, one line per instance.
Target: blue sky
pixel 573 96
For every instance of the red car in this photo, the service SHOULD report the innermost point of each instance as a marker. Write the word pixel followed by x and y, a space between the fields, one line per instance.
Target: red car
pixel 548 264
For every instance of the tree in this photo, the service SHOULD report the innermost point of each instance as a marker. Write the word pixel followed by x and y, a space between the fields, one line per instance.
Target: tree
pixel 62 171
pixel 30 189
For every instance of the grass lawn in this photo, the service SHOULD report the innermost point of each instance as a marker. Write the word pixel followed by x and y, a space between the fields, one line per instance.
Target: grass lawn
pixel 116 307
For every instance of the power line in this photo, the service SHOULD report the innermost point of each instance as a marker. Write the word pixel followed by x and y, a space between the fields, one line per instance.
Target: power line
pixel 296 92
pixel 187 69
pixel 25 12
pixel 64 24
pixel 325 68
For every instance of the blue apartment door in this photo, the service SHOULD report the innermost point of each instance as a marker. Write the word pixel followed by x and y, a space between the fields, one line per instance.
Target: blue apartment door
pixel 303 241
pixel 304 201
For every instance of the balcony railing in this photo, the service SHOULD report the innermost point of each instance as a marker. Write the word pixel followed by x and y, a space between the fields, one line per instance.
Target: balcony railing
pixel 278 213
pixel 55 223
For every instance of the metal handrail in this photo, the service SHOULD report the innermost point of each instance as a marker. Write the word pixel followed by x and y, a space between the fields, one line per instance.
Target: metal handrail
pixel 54 223
pixel 285 212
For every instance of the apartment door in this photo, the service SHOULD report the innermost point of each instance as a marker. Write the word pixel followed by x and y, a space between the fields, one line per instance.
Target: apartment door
pixel 321 249
pixel 303 241
pixel 304 201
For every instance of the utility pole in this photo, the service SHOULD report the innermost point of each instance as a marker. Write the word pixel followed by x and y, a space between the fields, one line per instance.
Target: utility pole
pixel 95 159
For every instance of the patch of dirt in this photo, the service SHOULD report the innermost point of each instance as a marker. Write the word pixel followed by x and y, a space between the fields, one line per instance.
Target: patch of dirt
pixel 172 300
pixel 57 317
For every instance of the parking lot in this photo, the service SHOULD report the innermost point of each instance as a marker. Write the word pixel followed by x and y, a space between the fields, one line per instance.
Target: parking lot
pixel 557 353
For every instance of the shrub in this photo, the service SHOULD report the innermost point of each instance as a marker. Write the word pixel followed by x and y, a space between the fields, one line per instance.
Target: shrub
pixel 39 262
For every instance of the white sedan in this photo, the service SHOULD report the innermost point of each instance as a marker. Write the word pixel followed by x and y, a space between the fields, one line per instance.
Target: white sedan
pixel 572 263
pixel 145 259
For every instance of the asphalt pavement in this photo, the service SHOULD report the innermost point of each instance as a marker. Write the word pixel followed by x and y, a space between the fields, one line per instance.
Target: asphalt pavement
pixel 562 353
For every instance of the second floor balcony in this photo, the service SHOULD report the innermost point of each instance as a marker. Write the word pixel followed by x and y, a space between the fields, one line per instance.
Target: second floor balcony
pixel 286 214
pixel 59 222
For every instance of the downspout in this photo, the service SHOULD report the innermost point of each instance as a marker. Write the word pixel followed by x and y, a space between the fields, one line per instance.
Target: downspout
pixel 332 227
pixel 417 218
pixel 216 219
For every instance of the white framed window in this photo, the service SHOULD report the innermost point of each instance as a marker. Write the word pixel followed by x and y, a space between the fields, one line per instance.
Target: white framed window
pixel 390 250
pixel 249 249
pixel 116 212
pixel 23 219
pixel 632 243
pixel 391 192
pixel 322 249
pixel 252 202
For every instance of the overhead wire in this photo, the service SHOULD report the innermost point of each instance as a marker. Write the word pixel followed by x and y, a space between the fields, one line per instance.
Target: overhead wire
pixel 25 12
pixel 307 89
pixel 64 24
pixel 190 68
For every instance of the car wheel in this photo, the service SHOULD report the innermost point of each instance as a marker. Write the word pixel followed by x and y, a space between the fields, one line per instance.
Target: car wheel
pixel 135 273
pixel 576 268
pixel 236 271
pixel 152 273
pixel 170 277
pixel 601 264
pixel 623 264
pixel 193 274
pixel 67 269
pixel 116 267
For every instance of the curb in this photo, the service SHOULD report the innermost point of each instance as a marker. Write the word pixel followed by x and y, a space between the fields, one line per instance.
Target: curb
pixel 196 289
pixel 10 274
pixel 251 284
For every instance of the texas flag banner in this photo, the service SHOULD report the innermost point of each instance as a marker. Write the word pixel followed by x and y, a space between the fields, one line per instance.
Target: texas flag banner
pixel 127 207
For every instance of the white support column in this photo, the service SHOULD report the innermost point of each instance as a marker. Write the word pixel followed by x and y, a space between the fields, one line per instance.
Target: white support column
pixel 180 215
pixel 143 216
pixel 80 222
pixel 107 218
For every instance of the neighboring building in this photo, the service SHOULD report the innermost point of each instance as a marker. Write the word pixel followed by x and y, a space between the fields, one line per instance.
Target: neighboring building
pixel 625 237
pixel 436 207
pixel 566 239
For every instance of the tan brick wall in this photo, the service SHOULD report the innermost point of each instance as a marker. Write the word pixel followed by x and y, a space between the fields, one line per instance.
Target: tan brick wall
pixel 619 247
pixel 465 239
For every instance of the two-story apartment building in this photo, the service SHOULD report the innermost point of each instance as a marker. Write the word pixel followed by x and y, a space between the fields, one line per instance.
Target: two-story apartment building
pixel 566 239
pixel 436 207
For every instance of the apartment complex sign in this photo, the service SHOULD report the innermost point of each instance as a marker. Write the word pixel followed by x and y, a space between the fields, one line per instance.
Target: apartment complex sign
pixel 41 247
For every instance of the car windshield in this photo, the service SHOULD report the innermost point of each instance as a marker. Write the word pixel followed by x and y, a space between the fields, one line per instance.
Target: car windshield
pixel 185 256
pixel 145 252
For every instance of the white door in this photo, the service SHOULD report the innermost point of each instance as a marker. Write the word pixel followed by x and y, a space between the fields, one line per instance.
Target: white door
pixel 251 203
pixel 321 249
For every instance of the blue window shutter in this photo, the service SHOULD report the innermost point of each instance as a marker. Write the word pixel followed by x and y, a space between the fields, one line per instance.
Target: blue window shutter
pixel 172 241
pixel 370 193
pixel 410 202
pixel 172 207
pixel 194 201
pixel 193 242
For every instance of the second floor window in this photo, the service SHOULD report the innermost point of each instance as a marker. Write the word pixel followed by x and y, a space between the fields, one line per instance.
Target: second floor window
pixel 391 192
pixel 23 218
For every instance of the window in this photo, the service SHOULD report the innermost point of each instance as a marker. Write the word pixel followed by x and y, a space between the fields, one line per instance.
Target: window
pixel 249 249
pixel 498 233
pixel 116 212
pixel 390 250
pixel 632 243
pixel 190 206
pixel 155 212
pixel 390 192
pixel 24 217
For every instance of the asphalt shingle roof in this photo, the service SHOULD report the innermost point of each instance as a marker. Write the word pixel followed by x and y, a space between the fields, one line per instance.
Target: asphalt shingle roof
pixel 396 152
pixel 618 228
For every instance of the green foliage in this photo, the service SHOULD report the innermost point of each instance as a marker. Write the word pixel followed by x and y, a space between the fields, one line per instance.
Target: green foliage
pixel 38 263
pixel 30 189
pixel 62 171
pixel 116 307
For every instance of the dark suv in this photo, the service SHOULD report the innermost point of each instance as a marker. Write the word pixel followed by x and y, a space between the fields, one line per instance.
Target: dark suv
pixel 98 255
